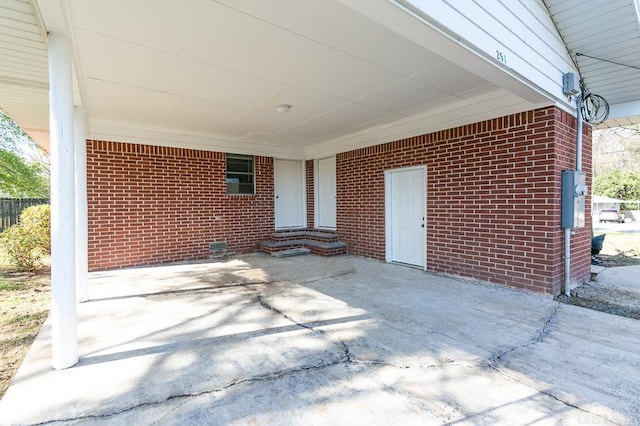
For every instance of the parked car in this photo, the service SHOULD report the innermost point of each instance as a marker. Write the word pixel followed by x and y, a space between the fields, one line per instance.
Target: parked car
pixel 611 215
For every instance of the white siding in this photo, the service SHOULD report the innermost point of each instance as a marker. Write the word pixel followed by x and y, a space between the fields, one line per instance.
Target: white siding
pixel 517 34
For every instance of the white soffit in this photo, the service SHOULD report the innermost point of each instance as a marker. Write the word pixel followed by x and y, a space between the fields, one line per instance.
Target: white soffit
pixel 609 31
pixel 24 75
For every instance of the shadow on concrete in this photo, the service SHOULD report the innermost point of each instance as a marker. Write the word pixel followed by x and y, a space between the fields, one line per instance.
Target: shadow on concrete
pixel 327 340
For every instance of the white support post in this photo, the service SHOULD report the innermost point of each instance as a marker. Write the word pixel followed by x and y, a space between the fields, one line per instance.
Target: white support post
pixel 64 333
pixel 82 262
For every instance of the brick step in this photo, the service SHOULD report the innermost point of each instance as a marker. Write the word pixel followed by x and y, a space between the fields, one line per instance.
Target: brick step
pixel 298 251
pixel 271 246
pixel 316 235
pixel 317 241
pixel 324 236
pixel 335 248
pixel 288 235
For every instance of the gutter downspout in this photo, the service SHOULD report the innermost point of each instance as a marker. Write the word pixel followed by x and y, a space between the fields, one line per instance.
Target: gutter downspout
pixel 568 231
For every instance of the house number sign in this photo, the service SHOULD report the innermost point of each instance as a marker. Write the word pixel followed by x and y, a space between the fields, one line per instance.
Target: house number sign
pixel 501 57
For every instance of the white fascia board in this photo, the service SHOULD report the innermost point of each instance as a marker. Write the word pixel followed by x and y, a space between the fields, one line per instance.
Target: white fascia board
pixel 122 132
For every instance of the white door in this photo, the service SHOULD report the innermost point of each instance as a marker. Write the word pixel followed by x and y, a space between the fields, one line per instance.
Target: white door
pixel 289 193
pixel 326 193
pixel 405 210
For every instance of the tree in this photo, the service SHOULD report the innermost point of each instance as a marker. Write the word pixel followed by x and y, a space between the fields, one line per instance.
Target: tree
pixel 620 184
pixel 21 180
pixel 616 148
pixel 24 165
pixel 14 139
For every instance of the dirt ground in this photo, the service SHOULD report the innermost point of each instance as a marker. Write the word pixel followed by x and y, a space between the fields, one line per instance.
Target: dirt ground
pixel 609 261
pixel 600 298
pixel 24 305
pixel 604 297
pixel 621 248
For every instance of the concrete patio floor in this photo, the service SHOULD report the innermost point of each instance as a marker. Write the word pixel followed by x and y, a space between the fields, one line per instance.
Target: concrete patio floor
pixel 312 340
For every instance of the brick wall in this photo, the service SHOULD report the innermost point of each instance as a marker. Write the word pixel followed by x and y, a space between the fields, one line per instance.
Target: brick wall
pixel 493 198
pixel 150 204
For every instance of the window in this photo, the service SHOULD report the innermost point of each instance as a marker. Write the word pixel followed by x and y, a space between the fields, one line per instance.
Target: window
pixel 240 174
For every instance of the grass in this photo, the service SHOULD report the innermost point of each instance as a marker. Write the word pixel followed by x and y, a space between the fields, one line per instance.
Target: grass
pixel 24 305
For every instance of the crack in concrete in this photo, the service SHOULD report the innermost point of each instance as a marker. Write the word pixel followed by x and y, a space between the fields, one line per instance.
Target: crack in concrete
pixel 547 393
pixel 496 359
pixel 328 276
pixel 350 358
pixel 259 378
pixel 267 377
pixel 347 358
pixel 166 415
pixel 264 304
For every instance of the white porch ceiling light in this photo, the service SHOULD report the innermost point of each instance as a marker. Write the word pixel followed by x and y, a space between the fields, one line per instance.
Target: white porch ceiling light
pixel 283 109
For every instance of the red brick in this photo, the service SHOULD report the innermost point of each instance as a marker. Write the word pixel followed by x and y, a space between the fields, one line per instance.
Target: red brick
pixel 150 204
pixel 487 183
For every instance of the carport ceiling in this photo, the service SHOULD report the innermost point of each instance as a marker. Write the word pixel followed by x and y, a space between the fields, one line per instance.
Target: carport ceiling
pixel 219 69
pixel 222 68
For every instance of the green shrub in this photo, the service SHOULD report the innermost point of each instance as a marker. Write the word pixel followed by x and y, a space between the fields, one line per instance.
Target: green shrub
pixel 37 221
pixel 21 248
pixel 30 239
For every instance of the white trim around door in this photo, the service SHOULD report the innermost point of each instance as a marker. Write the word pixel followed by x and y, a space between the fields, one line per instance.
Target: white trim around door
pixel 325 193
pixel 405 216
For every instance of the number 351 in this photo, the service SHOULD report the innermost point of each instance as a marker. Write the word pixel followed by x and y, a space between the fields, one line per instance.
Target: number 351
pixel 501 57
